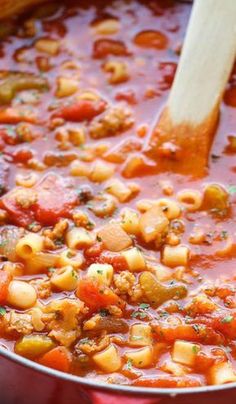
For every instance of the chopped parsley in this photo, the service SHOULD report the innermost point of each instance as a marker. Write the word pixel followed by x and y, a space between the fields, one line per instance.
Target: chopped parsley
pixel 129 364
pixel 232 189
pixel 227 319
pixel 144 306
pixel 195 349
pixel 2 311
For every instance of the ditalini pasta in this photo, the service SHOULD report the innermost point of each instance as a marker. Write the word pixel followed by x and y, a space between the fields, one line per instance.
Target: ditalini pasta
pixel 113 266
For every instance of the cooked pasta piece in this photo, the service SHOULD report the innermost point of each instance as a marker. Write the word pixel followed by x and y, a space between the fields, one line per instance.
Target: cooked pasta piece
pixel 65 278
pixel 78 237
pixel 190 199
pixel 175 256
pixel 101 272
pixel 29 245
pixel 21 295
pixel 135 259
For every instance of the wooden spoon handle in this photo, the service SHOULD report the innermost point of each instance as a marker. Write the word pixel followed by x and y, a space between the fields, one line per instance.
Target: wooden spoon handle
pixel 206 61
pixel 186 126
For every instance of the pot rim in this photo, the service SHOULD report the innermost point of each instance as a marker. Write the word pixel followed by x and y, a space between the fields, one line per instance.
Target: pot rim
pixel 111 388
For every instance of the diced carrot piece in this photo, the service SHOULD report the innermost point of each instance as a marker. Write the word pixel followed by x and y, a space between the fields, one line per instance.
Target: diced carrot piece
pixel 58 358
pixel 95 295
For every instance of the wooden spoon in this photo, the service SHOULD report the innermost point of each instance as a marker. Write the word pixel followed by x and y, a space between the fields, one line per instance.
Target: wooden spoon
pixel 182 138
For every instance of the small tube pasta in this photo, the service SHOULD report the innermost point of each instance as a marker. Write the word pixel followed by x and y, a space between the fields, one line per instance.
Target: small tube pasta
pixel 29 245
pixel 101 272
pixel 130 221
pixel 171 209
pixel 108 360
pixel 140 358
pixel 40 262
pixel 191 199
pixel 21 295
pixel 70 257
pixel 78 237
pixel 65 278
pixel 140 335
pixel 185 352
pixel 175 256
pixel 134 259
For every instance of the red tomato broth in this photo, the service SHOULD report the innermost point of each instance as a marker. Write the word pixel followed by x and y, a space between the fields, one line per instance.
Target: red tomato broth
pixel 151 71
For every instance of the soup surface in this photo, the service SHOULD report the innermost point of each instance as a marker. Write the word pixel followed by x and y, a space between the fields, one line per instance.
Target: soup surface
pixel 111 268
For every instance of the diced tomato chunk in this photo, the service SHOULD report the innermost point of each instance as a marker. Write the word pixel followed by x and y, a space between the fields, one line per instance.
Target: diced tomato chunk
pixel 22 155
pixel 18 215
pixel 5 279
pixel 105 47
pixel 96 295
pixel 54 200
pixel 82 110
pixel 49 200
pixel 58 358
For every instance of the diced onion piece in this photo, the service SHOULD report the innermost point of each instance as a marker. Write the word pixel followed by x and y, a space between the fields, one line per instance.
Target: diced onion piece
pixel 222 373
pixel 175 256
pixel 140 358
pixel 114 237
pixel 185 352
pixel 153 223
pixel 21 295
pixel 101 272
pixel 108 360
pixel 162 273
pixel 134 259
pixel 65 278
pixel 140 335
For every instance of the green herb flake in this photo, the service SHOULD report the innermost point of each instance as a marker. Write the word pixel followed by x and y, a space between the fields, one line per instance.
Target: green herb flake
pixel 227 319
pixel 129 364
pixel 195 349
pixel 232 189
pixel 2 311
pixel 144 306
